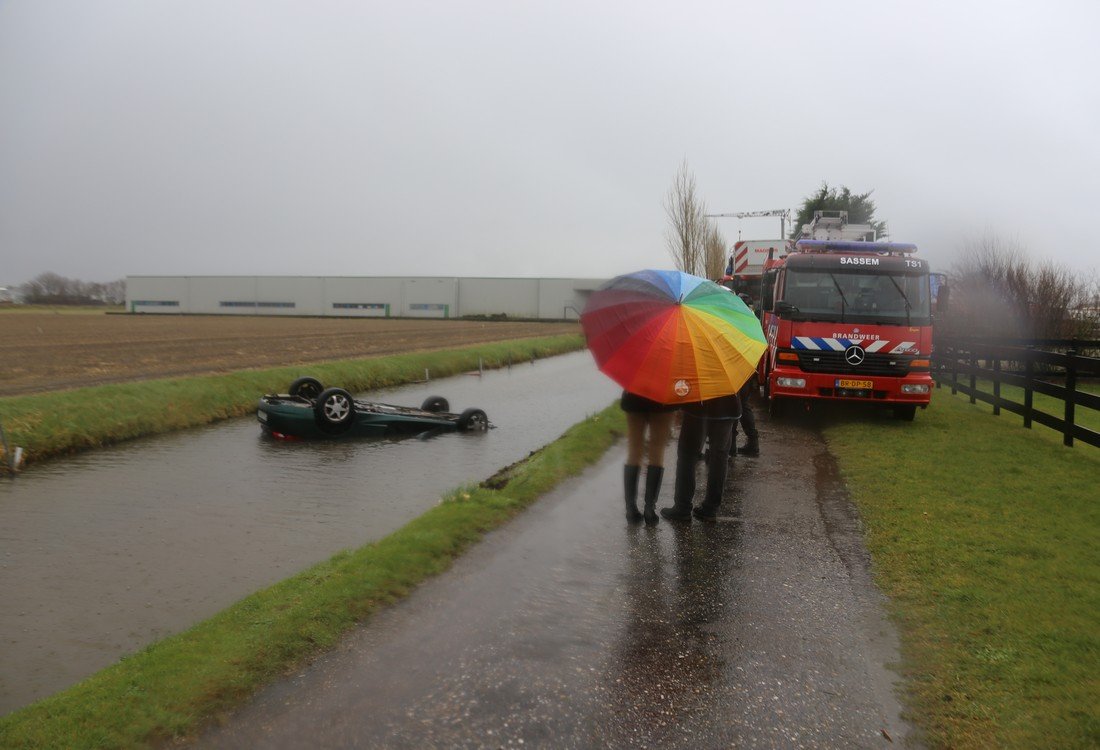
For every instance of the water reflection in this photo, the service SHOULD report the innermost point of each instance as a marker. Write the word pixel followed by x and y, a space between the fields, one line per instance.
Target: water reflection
pixel 678 584
pixel 107 551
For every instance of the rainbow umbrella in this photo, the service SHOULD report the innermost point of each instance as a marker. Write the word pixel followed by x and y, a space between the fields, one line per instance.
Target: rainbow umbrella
pixel 672 337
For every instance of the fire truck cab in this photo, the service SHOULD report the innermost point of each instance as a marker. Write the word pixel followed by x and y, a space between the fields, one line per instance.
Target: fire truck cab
pixel 847 320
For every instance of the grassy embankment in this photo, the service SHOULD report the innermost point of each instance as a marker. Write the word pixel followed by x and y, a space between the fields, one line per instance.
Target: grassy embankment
pixel 67 421
pixel 173 687
pixel 984 536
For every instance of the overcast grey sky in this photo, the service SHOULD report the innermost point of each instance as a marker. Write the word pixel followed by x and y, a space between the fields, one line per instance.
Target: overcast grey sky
pixel 527 138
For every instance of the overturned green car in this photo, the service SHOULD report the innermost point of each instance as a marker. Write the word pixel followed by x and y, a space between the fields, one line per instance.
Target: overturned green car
pixel 309 410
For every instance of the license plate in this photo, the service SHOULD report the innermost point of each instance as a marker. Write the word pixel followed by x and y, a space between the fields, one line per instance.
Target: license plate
pixel 858 384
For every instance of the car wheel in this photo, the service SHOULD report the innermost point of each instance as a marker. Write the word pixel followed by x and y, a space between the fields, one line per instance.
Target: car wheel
pixel 435 404
pixel 309 388
pixel 473 420
pixel 334 410
pixel 905 412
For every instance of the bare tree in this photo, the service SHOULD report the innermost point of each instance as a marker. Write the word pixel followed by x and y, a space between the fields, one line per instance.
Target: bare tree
pixel 114 292
pixel 715 255
pixel 687 233
pixel 999 292
pixel 53 289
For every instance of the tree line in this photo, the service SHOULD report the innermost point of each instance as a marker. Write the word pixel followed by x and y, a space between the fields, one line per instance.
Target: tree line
pixel 995 288
pixel 998 291
pixel 52 289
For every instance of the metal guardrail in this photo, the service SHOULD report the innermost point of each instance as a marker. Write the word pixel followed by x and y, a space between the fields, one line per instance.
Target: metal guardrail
pixel 1036 366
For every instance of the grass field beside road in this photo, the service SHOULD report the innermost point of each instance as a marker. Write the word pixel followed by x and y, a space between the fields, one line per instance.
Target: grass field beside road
pixel 984 536
pixel 47 350
pixel 51 424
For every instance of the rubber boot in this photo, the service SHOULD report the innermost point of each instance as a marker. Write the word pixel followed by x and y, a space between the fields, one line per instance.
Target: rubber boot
pixel 717 471
pixel 751 447
pixel 705 512
pixel 630 490
pixel 653 477
pixel 685 491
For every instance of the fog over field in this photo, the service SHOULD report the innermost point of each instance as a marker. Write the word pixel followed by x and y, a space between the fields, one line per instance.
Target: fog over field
pixel 526 139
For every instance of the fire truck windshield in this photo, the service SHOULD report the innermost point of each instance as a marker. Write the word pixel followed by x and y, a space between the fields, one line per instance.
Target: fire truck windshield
pixel 858 296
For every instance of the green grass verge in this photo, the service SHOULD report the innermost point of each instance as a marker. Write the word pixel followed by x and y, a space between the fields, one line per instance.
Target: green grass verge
pixel 61 422
pixel 174 687
pixel 984 536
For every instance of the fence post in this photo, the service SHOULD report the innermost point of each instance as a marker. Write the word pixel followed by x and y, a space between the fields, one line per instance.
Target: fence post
pixel 1071 396
pixel 954 371
pixel 997 384
pixel 1028 393
pixel 937 365
pixel 973 374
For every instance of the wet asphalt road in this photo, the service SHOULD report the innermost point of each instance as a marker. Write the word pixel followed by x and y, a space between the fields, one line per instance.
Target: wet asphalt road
pixel 568 628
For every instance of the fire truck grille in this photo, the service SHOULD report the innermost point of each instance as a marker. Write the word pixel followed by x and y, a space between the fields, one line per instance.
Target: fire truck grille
pixel 890 365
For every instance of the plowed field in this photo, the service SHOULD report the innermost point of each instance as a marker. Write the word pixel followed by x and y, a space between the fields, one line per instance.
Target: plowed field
pixel 45 351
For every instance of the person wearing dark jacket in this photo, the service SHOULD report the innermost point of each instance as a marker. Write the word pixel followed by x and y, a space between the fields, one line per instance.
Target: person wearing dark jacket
pixel 712 422
pixel 747 423
pixel 748 419
pixel 642 416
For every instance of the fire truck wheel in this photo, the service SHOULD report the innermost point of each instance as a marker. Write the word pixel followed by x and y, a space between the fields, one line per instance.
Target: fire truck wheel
pixel 776 407
pixel 905 412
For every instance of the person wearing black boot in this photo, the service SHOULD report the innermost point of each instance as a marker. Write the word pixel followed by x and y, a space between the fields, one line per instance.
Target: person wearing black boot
pixel 748 419
pixel 747 422
pixel 642 416
pixel 710 421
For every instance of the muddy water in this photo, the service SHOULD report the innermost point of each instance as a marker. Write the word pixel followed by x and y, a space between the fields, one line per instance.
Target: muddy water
pixel 107 552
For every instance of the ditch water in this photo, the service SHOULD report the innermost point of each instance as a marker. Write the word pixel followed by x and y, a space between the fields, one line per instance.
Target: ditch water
pixel 106 552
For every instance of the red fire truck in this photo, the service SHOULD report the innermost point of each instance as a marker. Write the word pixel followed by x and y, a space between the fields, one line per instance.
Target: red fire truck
pixel 746 264
pixel 847 320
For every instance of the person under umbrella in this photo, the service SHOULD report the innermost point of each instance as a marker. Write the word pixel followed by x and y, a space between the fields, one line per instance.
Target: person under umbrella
pixel 674 339
pixel 748 418
pixel 712 420
pixel 642 415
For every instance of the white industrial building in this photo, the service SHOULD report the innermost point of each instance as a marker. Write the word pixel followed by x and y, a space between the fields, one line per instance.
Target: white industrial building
pixel 360 296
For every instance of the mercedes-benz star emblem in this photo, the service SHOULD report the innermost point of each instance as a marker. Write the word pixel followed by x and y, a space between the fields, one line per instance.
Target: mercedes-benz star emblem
pixel 854 355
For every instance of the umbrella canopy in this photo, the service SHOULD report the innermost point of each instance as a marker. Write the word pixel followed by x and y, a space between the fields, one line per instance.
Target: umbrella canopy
pixel 672 337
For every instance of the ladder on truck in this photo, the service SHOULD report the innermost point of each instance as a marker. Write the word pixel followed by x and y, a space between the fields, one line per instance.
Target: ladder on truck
pixel 833 225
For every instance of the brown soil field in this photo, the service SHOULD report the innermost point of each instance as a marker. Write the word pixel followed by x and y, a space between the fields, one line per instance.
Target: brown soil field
pixel 46 351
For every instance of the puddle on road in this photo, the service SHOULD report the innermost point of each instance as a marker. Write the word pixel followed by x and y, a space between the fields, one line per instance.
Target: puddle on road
pixel 105 552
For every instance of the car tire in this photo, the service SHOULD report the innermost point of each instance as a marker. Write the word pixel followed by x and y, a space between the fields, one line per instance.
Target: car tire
pixel 473 420
pixel 435 404
pixel 334 411
pixel 905 412
pixel 308 388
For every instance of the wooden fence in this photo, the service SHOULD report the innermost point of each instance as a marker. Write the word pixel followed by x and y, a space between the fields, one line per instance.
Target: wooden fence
pixel 1055 368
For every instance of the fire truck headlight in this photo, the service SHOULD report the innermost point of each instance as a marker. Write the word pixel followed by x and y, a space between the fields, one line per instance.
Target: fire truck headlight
pixel 913 388
pixel 791 382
